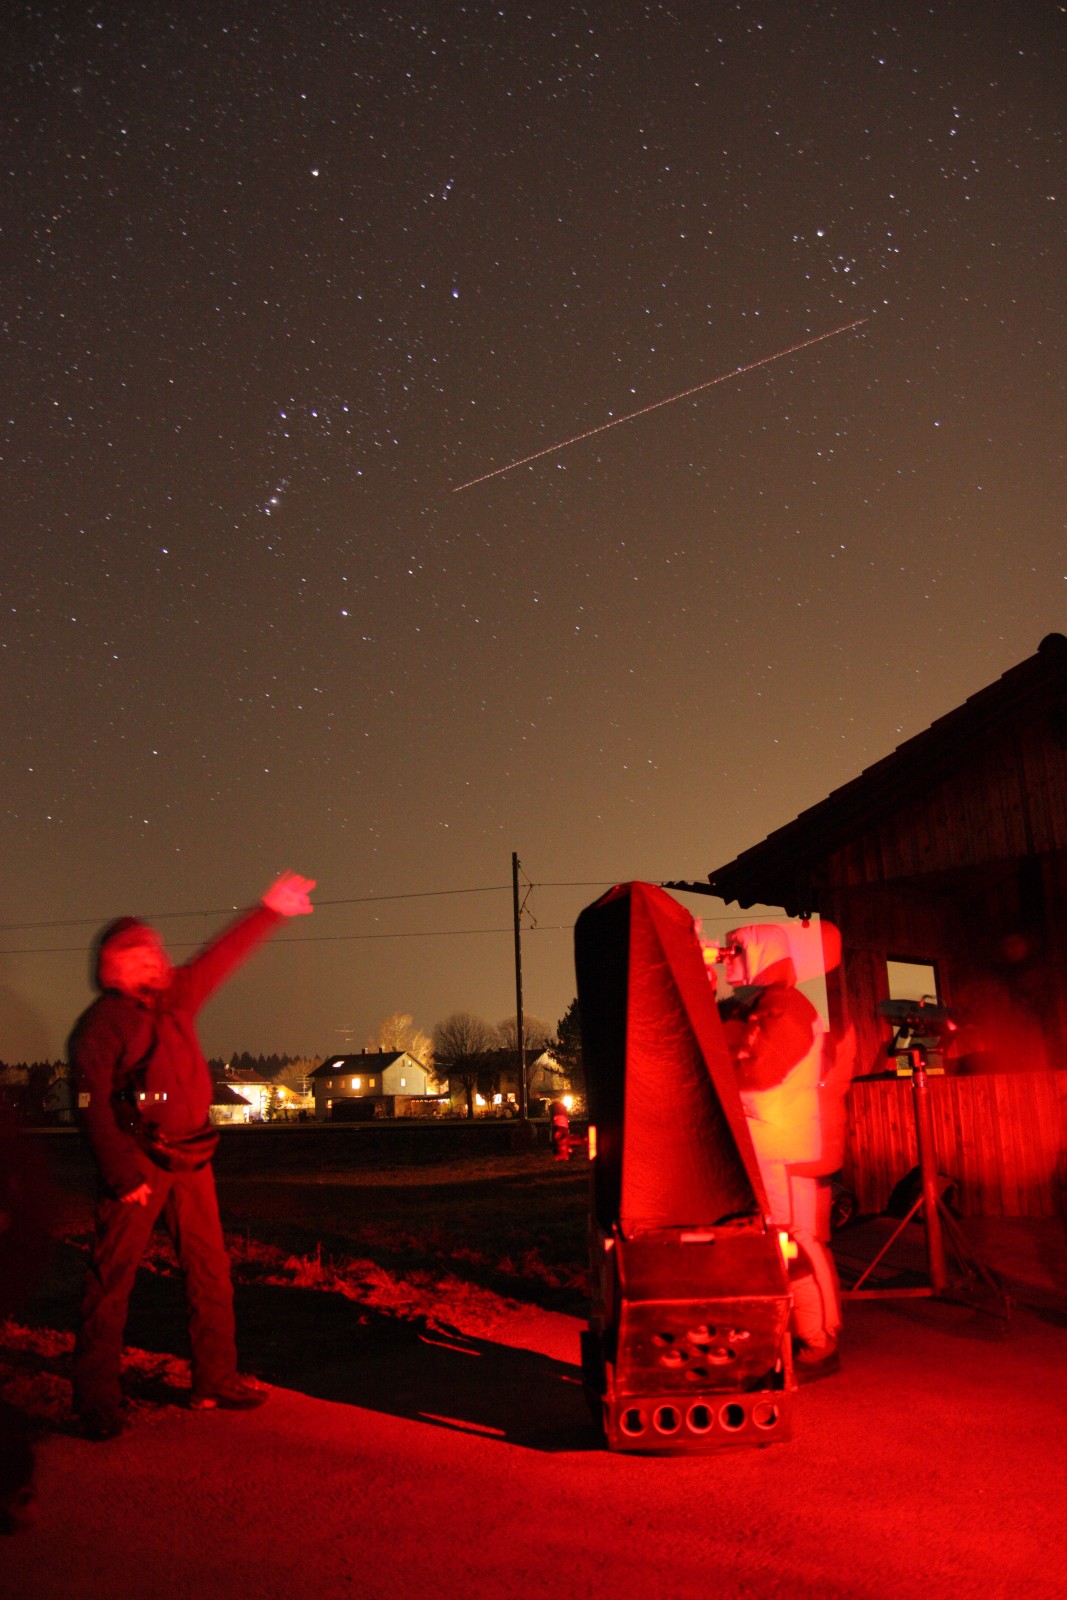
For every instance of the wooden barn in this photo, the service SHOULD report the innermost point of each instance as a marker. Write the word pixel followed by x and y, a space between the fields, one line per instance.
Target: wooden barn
pixel 945 868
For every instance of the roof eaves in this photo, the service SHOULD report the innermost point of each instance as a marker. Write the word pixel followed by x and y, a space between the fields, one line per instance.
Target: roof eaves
pixel 778 870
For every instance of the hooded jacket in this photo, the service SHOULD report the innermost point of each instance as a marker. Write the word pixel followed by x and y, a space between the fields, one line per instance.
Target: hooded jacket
pixel 124 1048
pixel 779 1044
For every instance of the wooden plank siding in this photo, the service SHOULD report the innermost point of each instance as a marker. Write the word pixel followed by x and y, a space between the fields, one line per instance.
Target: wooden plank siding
pixel 1002 1137
pixel 950 850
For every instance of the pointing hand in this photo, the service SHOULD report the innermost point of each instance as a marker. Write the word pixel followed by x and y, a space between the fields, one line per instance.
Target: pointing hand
pixel 289 895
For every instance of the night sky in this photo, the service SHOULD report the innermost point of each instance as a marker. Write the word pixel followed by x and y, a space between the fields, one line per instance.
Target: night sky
pixel 279 277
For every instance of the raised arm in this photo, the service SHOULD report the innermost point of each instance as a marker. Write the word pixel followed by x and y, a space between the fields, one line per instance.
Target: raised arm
pixel 288 896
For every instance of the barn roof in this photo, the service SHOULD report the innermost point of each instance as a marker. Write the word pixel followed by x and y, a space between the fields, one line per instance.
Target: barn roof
pixel 779 871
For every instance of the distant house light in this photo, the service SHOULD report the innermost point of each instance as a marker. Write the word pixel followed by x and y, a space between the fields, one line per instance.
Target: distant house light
pixel 403 1083
pixel 357 1083
pixel 479 1100
pixel 338 1063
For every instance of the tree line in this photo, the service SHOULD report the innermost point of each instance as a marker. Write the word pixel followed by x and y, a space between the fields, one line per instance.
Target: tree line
pixel 463 1053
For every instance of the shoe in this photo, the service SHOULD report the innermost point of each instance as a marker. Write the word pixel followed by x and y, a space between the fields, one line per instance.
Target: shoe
pixel 811 1362
pixel 103 1423
pixel 239 1394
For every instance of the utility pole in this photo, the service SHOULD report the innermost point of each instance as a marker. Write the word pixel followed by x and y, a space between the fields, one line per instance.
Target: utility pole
pixel 524 1099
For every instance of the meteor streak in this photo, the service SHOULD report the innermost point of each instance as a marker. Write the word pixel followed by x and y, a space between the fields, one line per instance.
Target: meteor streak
pixel 616 422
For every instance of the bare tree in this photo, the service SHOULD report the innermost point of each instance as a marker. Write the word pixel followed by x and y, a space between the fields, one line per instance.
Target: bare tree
pixel 398 1032
pixel 392 1032
pixel 296 1075
pixel 461 1045
pixel 536 1032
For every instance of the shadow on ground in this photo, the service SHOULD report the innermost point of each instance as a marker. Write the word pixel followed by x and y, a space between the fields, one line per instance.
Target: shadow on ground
pixel 335 1350
pixel 321 1344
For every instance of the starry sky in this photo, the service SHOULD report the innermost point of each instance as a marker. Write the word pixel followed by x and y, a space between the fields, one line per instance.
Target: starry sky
pixel 280 278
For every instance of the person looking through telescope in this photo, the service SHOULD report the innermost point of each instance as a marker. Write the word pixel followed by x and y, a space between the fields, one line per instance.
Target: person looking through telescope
pixel 780 1049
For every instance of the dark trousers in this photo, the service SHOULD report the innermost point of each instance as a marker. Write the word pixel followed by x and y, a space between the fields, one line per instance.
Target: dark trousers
pixel 190 1210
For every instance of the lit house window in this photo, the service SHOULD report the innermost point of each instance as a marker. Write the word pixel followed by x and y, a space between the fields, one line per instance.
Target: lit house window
pixel 370 1083
pixel 403 1083
pixel 357 1083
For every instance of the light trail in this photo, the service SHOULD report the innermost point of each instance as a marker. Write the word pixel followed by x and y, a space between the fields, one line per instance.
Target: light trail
pixel 617 422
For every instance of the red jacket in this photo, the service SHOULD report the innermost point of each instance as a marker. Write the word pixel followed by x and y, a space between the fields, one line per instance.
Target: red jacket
pixel 119 1041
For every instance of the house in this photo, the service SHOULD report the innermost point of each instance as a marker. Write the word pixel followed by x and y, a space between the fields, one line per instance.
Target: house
pixel 944 866
pixel 227 1106
pixel 253 1097
pixel 390 1079
pixel 498 1090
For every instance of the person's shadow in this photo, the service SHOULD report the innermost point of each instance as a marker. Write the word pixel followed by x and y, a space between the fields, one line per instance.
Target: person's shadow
pixel 329 1347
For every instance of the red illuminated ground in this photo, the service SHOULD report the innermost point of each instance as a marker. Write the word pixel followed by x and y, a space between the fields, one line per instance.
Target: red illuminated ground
pixel 402 1457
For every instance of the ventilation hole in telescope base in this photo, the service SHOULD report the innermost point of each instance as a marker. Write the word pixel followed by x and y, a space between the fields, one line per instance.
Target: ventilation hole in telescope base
pixel 697 1374
pixel 701 1336
pixel 667 1419
pixel 663 1339
pixel 700 1419
pixel 673 1358
pixel 721 1356
pixel 766 1415
pixel 632 1422
pixel 732 1417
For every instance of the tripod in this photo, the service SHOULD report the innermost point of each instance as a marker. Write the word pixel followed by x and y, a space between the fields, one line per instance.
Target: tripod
pixel 938 1223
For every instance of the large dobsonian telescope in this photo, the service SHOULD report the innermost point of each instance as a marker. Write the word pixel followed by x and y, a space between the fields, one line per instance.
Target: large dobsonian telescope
pixel 688 1347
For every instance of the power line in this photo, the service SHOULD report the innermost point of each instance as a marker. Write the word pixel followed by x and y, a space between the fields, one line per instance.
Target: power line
pixel 351 900
pixel 228 911
pixel 313 938
pixel 348 938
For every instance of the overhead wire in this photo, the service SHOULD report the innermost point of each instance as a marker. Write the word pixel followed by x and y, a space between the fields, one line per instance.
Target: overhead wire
pixel 334 938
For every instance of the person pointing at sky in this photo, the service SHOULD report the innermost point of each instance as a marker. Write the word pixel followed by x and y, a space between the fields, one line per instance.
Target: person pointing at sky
pixel 145 1092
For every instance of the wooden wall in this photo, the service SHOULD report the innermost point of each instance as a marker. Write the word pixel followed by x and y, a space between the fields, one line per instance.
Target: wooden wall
pixel 1007 799
pixel 1003 1137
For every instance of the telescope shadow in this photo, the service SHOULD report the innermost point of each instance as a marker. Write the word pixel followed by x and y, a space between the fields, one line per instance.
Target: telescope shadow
pixel 327 1347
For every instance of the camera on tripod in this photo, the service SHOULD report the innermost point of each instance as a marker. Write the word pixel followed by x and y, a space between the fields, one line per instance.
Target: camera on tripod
pixel 917 1018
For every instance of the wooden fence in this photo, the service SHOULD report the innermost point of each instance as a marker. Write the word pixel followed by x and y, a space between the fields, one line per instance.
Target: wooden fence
pixel 1001 1136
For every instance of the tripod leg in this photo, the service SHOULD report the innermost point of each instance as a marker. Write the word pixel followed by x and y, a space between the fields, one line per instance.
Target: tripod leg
pixel 893 1237
pixel 968 1259
pixel 935 1244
